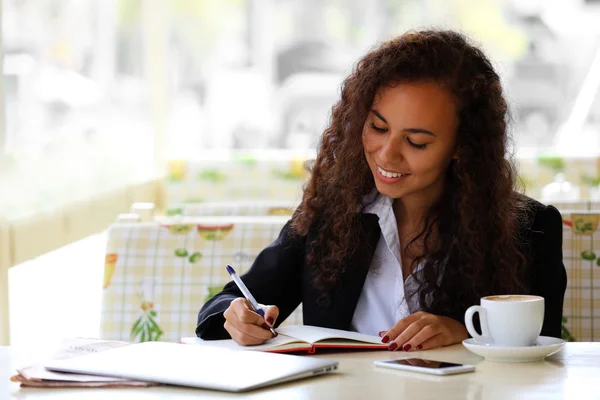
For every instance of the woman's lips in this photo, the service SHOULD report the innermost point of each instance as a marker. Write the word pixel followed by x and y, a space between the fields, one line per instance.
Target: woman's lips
pixel 390 177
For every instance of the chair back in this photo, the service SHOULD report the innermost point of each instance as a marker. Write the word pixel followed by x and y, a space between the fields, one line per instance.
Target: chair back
pixel 159 274
pixel 581 256
pixel 231 208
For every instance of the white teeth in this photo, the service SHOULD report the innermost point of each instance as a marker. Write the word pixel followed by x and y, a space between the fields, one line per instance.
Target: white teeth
pixel 389 174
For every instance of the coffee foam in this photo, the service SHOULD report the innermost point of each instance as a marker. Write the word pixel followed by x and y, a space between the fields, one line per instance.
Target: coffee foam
pixel 512 297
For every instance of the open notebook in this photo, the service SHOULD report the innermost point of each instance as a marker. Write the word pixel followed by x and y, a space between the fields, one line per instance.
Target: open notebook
pixel 298 338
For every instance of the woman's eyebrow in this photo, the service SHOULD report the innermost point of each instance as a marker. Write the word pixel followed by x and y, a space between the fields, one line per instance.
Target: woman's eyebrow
pixel 407 130
pixel 378 115
pixel 418 130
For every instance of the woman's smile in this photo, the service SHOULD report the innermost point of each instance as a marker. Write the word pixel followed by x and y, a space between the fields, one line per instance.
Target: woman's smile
pixel 388 176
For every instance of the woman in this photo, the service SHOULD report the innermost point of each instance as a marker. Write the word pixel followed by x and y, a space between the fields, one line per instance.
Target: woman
pixel 410 215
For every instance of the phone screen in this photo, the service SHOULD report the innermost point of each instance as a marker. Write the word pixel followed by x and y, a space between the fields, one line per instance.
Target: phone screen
pixel 419 362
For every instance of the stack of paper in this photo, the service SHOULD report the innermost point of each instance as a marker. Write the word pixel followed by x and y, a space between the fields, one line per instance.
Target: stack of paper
pixel 38 376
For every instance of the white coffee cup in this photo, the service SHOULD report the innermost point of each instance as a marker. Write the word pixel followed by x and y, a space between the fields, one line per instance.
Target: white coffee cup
pixel 507 320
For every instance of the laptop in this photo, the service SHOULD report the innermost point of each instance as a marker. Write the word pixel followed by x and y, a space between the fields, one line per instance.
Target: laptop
pixel 196 366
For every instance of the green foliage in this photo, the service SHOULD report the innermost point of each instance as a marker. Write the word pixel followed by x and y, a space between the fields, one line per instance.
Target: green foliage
pixel 181 253
pixel 590 180
pixel 212 176
pixel 581 226
pixel 171 212
pixel 565 334
pixel 247 160
pixel 212 291
pixel 555 163
pixel 287 175
pixel 145 328
pixel 588 255
pixel 195 257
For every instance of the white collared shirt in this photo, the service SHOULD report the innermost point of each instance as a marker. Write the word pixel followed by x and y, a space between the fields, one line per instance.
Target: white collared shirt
pixel 382 302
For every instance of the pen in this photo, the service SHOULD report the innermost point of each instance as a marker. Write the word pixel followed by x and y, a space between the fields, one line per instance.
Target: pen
pixel 240 284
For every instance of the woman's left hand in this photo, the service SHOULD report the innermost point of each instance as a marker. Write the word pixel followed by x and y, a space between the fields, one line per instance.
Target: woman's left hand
pixel 424 331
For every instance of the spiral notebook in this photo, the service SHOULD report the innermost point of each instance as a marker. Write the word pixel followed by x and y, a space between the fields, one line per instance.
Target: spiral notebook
pixel 301 338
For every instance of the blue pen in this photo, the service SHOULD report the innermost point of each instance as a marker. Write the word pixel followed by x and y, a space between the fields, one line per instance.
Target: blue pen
pixel 247 294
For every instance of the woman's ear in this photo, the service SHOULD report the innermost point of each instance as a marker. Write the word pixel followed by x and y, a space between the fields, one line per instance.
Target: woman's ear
pixel 454 160
pixel 455 156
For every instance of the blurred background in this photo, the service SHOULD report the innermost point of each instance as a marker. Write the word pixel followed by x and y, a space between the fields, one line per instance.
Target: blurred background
pixel 177 103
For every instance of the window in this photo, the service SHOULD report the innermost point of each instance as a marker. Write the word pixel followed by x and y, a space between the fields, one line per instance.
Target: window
pixel 266 73
pixel 99 93
pixel 77 109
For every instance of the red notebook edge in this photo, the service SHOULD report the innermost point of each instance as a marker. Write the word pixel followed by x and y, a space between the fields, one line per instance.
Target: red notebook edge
pixel 313 349
pixel 307 350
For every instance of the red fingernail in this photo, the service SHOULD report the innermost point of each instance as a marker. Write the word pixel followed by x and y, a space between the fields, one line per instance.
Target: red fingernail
pixel 381 333
pixel 393 346
pixel 270 320
pixel 420 347
pixel 265 326
pixel 385 339
pixel 275 334
pixel 406 347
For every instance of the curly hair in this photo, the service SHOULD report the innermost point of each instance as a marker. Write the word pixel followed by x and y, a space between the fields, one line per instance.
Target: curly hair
pixel 475 220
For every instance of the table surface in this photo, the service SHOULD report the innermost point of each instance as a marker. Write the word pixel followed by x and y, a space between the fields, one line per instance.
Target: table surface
pixel 573 373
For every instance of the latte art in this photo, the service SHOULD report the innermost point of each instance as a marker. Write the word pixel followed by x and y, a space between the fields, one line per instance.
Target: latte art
pixel 512 298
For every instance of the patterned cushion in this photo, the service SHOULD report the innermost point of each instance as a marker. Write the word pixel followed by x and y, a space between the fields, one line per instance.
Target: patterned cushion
pixel 582 205
pixel 225 176
pixel 158 274
pixel 539 171
pixel 279 174
pixel 161 273
pixel 581 255
pixel 248 208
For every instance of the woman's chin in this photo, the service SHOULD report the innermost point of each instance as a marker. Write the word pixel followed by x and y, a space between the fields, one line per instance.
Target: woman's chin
pixel 390 192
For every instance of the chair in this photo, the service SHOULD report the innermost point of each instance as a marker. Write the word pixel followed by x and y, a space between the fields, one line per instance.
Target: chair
pixel 158 274
pixel 581 256
pixel 539 171
pixel 242 176
pixel 580 205
pixel 229 208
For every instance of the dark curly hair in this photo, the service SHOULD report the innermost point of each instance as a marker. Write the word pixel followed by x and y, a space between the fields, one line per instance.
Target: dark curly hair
pixel 475 220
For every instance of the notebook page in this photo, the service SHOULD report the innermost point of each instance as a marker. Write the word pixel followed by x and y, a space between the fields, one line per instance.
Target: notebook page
pixel 271 344
pixel 313 334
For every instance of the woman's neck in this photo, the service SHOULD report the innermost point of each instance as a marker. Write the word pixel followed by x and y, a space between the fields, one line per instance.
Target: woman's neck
pixel 411 210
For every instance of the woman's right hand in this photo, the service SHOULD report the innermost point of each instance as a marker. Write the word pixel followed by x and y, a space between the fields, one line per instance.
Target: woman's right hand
pixel 246 327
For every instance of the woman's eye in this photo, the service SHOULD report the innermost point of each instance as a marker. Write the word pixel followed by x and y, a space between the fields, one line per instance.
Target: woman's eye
pixel 378 129
pixel 417 146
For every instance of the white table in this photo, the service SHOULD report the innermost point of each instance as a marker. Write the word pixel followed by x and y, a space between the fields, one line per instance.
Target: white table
pixel 573 373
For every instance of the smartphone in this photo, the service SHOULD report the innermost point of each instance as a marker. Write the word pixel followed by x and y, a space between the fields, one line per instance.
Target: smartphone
pixel 426 366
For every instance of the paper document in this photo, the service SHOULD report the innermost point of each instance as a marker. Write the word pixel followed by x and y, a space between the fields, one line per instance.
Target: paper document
pixel 38 376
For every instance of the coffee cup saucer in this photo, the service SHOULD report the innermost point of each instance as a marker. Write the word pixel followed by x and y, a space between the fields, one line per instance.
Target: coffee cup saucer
pixel 544 347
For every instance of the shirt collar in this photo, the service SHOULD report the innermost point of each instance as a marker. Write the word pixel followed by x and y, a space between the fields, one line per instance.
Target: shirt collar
pixel 376 203
pixel 381 205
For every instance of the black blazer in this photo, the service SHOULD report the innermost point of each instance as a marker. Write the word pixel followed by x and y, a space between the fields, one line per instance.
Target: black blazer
pixel 280 276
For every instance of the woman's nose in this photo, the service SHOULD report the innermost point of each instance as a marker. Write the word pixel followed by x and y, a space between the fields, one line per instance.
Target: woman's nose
pixel 391 151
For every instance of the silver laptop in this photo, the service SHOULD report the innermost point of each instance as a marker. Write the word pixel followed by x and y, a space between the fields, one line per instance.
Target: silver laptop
pixel 196 366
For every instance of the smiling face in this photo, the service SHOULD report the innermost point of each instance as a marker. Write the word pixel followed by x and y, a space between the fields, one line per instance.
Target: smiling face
pixel 409 138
